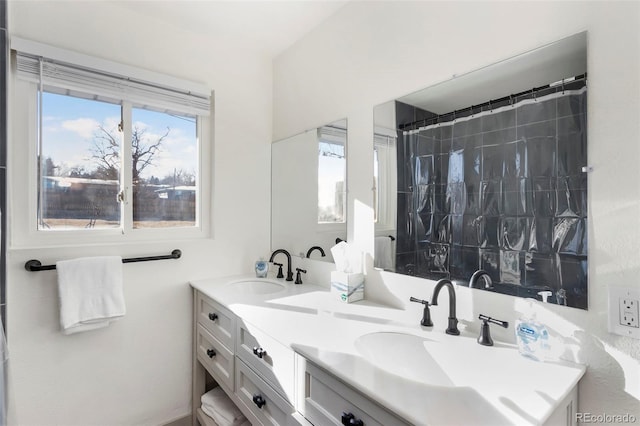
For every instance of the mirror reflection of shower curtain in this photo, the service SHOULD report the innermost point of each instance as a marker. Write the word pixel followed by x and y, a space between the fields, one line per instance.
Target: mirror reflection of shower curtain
pixel 501 190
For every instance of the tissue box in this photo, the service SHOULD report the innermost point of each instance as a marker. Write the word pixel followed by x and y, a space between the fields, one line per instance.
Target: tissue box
pixel 349 287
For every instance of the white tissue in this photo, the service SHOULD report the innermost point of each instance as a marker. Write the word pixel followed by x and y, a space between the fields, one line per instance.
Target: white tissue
pixel 347 258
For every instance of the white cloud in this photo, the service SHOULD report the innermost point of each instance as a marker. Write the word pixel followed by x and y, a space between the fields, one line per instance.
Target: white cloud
pixel 141 125
pixel 84 127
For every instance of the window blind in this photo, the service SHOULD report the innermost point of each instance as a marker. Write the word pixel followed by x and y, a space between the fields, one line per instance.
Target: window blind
pixel 76 79
pixel 332 134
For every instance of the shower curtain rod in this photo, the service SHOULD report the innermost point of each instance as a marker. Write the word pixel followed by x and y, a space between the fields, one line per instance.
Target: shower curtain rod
pixel 496 102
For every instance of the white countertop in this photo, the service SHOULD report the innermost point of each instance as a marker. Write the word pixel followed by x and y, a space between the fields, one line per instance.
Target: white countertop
pixel 482 385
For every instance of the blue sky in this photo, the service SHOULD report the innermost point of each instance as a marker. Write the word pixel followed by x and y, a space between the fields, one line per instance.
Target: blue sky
pixel 69 126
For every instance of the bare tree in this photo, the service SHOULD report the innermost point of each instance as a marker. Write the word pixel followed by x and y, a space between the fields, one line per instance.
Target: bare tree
pixel 106 150
pixel 179 177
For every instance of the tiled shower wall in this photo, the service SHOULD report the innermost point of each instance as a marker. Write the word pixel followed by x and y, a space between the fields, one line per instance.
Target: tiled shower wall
pixel 501 191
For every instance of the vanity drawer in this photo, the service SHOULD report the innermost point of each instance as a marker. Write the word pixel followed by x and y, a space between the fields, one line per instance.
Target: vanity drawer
pixel 215 357
pixel 260 399
pixel 272 360
pixel 218 321
pixel 323 400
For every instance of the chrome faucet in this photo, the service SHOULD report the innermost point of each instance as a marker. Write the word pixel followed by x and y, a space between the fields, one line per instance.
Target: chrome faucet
pixel 488 283
pixel 453 321
pixel 322 253
pixel 286 253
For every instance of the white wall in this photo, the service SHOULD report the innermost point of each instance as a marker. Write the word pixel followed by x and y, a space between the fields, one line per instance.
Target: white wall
pixel 138 370
pixel 371 52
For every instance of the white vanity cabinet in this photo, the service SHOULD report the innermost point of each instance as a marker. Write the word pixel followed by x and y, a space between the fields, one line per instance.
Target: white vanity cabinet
pixel 255 370
pixel 264 404
pixel 272 360
pixel 217 358
pixel 264 376
pixel 248 352
pixel 214 332
pixel 213 349
pixel 324 400
pixel 216 319
pixel 566 413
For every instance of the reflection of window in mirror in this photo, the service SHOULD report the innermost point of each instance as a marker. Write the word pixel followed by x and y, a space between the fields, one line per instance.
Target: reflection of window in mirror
pixel 332 166
pixel 384 158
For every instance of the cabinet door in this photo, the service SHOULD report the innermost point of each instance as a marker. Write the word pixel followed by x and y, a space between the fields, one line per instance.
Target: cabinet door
pixel 215 357
pixel 265 405
pixel 565 414
pixel 272 360
pixel 324 400
pixel 218 320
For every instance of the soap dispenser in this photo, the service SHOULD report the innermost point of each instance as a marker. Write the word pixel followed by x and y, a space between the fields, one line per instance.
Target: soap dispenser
pixel 262 268
pixel 531 335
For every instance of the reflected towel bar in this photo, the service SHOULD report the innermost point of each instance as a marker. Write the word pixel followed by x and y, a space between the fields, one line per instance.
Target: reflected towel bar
pixel 35 265
pixel 338 240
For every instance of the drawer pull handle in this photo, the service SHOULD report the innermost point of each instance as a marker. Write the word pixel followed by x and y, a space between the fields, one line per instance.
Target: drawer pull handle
pixel 259 352
pixel 259 400
pixel 213 316
pixel 211 353
pixel 349 419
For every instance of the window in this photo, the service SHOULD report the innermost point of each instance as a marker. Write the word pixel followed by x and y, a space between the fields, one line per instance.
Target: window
pixel 164 153
pixel 112 153
pixel 332 166
pixel 79 164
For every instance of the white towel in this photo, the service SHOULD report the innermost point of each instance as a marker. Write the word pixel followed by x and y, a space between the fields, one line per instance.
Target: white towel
pixel 217 405
pixel 383 251
pixel 220 421
pixel 90 292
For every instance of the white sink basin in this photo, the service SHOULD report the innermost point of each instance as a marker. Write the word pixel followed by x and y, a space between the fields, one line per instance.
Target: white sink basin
pixel 257 286
pixel 403 355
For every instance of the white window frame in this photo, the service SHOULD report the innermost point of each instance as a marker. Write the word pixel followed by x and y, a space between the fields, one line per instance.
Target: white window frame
pixel 22 154
pixel 384 143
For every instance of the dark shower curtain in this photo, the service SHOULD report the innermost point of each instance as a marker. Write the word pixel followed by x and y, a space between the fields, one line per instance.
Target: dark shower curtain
pixel 501 189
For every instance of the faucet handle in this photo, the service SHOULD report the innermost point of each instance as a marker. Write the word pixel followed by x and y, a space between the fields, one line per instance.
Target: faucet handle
pixel 298 276
pixel 426 314
pixel 485 335
pixel 280 274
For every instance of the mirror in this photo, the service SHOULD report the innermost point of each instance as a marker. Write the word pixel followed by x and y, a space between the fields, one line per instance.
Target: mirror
pixel 487 171
pixel 308 184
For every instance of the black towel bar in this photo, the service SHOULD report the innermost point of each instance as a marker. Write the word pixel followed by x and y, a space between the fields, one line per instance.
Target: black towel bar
pixel 35 265
pixel 340 239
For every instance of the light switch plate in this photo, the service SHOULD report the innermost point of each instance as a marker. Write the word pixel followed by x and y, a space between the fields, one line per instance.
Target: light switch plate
pixel 624 309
